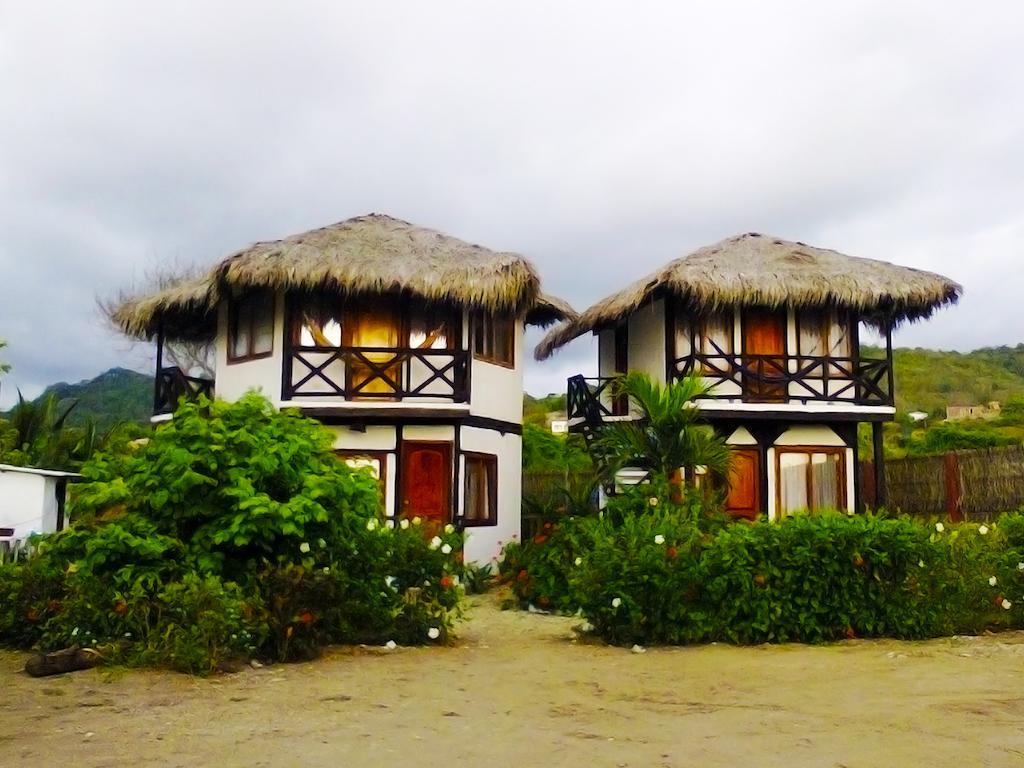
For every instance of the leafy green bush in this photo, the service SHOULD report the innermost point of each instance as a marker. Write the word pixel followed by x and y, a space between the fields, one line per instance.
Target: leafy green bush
pixel 658 579
pixel 659 572
pixel 233 532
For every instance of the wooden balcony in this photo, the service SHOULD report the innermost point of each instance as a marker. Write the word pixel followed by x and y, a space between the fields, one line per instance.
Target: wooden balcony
pixel 754 379
pixel 172 385
pixel 382 374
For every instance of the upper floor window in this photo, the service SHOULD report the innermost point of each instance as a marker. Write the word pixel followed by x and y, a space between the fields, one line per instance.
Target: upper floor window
pixel 494 338
pixel 823 334
pixel 251 326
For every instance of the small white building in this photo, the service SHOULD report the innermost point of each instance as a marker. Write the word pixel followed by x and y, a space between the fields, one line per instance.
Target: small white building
pixel 406 343
pixel 32 500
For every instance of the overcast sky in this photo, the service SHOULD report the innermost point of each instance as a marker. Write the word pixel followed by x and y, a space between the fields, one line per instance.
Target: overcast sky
pixel 600 140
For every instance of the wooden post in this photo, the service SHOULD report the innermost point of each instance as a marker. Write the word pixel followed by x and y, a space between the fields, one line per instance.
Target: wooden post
pixel 954 490
pixel 881 492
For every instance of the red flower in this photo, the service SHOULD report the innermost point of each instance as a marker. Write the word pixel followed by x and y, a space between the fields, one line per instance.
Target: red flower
pixel 547 526
pixel 850 634
pixel 998 601
pixel 760 580
pixel 672 552
pixel 120 607
pixel 858 561
pixel 32 615
pixel 523 575
pixel 446 581
pixel 540 538
pixel 307 618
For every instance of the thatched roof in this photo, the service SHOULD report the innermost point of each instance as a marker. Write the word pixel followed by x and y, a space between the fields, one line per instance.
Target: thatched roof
pixel 760 270
pixel 365 255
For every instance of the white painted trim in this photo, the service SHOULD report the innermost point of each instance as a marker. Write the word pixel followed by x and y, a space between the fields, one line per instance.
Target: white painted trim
pixel 35 471
pixel 818 408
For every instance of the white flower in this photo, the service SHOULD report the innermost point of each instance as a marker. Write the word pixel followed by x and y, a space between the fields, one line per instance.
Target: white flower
pixel 416 520
pixel 390 580
pixel 391 645
pixel 403 524
pixel 983 529
pixel 129 634
pixel 435 542
pixel 1020 566
pixel 446 549
pixel 578 561
pixel 327 569
pixel 653 501
pixel 449 528
pixel 389 524
pixel 433 633
pixel 304 547
pixel 616 602
pixel 74 631
pixel 321 543
pixel 1007 605
pixel 940 527
pixel 659 539
pixel 371 525
pixel 920 563
pixel 992 581
pixel 455 580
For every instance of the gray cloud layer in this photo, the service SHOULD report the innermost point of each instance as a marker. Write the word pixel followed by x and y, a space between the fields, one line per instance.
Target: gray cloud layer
pixel 599 139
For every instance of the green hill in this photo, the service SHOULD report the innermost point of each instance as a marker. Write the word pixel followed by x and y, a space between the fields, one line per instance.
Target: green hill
pixel 928 380
pixel 115 395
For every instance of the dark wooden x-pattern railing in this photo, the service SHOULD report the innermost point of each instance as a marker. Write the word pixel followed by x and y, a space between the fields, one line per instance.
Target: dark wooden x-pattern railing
pixel 172 385
pixel 443 374
pixel 768 377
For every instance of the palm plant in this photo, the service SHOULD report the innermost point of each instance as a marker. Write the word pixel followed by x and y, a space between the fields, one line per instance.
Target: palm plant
pixel 669 436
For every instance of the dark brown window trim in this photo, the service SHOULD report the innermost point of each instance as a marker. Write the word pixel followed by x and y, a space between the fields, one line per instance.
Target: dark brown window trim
pixel 491 467
pixel 232 328
pixel 831 450
pixel 476 323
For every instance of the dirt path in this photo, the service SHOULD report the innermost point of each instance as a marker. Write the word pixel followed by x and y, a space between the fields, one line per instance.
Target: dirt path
pixel 518 692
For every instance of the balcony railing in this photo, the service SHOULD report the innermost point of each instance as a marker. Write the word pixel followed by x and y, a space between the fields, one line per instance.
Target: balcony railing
pixel 753 379
pixel 377 374
pixel 172 385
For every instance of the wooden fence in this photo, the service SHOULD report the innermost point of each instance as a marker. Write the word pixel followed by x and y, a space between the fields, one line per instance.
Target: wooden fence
pixel 960 485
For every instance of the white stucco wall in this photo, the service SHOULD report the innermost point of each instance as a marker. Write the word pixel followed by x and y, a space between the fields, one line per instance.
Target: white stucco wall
pixel 264 375
pixel 28 503
pixel 647 340
pixel 497 391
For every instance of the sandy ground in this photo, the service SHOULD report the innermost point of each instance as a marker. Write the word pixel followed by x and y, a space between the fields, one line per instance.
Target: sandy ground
pixel 518 691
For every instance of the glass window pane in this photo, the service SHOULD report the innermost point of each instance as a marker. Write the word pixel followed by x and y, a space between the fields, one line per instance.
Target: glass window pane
pixel 825 480
pixel 241 328
pixel 431 329
pixel 840 337
pixel 317 321
pixel 716 338
pixel 813 334
pixel 263 323
pixel 793 481
pixel 481 474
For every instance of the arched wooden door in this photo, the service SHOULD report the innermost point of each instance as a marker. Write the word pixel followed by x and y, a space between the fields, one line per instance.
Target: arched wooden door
pixel 426 481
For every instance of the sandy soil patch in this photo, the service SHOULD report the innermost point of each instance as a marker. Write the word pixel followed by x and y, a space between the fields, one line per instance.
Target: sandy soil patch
pixel 517 691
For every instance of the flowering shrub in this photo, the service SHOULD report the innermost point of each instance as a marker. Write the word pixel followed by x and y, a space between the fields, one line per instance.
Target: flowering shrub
pixel 233 533
pixel 538 570
pixel 659 579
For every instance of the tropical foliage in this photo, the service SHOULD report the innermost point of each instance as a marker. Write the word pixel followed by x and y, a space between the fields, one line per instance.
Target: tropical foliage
pixel 233 533
pixel 669 435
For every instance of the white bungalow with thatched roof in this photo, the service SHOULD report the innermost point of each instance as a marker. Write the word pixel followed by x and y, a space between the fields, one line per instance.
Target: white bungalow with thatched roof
pixel 406 342
pixel 773 327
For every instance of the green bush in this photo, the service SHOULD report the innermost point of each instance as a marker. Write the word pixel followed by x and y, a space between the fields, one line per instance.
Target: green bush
pixel 669 574
pixel 233 532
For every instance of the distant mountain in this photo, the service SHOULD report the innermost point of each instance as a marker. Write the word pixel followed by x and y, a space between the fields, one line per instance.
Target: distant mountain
pixel 116 395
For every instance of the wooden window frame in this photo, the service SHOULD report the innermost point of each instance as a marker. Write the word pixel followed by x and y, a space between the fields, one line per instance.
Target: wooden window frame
pixel 491 467
pixel 809 450
pixel 482 322
pixel 381 456
pixel 233 307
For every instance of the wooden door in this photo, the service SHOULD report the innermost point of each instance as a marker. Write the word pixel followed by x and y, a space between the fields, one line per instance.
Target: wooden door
pixel 764 354
pixel 426 482
pixel 744 498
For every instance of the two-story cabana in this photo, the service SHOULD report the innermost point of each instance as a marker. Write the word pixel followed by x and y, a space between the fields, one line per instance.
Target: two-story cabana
pixel 406 342
pixel 774 328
